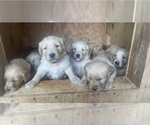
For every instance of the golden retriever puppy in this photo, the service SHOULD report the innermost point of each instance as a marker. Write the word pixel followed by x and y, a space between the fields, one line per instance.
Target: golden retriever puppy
pixel 16 72
pixel 34 59
pixel 120 59
pixel 80 56
pixel 55 63
pixel 100 72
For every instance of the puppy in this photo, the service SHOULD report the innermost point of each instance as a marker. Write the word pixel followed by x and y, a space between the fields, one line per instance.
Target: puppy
pixel 55 63
pixel 80 56
pixel 100 72
pixel 16 72
pixel 120 59
pixel 34 59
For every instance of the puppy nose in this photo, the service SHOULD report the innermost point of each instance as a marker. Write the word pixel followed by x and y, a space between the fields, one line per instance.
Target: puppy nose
pixel 7 89
pixel 117 63
pixel 52 55
pixel 94 88
pixel 77 55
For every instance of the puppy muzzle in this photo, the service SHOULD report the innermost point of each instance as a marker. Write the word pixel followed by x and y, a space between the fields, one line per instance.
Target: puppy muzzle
pixel 77 57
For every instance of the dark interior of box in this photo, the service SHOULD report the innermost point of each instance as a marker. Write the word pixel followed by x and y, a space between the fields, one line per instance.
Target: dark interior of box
pixel 20 38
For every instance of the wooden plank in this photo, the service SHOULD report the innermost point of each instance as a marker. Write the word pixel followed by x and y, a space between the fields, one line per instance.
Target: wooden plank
pixel 64 11
pixel 64 91
pixel 138 53
pixel 120 11
pixel 2 64
pixel 108 114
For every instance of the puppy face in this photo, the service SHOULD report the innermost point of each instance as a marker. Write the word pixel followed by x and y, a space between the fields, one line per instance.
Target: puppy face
pixel 34 59
pixel 120 58
pixel 13 78
pixel 52 48
pixel 97 74
pixel 80 51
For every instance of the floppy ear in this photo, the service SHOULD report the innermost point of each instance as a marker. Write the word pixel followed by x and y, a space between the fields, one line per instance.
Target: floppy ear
pixel 40 48
pixel 63 42
pixel 110 71
pixel 26 76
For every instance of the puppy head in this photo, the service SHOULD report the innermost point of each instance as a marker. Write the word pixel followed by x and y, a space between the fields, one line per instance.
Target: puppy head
pixel 97 73
pixel 80 51
pixel 120 58
pixel 34 59
pixel 52 48
pixel 13 77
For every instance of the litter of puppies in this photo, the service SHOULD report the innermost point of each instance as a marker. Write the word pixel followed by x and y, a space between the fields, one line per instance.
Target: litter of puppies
pixel 84 64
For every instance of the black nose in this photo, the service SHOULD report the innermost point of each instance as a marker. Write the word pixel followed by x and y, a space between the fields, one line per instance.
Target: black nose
pixel 117 63
pixel 77 55
pixel 94 88
pixel 7 89
pixel 52 55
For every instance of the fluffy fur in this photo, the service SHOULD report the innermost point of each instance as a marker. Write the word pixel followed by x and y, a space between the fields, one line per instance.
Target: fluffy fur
pixel 120 59
pixel 80 56
pixel 100 72
pixel 55 63
pixel 34 59
pixel 16 72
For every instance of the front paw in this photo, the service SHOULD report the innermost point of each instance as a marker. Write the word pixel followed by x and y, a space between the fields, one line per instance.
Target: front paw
pixel 75 80
pixel 108 87
pixel 30 85
pixel 83 82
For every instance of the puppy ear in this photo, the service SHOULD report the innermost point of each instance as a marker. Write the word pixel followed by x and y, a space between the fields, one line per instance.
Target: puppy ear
pixel 110 71
pixel 26 76
pixel 40 48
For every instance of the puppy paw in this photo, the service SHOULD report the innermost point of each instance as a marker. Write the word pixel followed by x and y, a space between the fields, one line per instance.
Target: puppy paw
pixel 108 87
pixel 83 82
pixel 75 80
pixel 30 85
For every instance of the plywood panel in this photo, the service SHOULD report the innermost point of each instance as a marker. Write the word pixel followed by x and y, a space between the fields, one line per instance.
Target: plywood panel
pixel 121 34
pixel 35 32
pixel 12 38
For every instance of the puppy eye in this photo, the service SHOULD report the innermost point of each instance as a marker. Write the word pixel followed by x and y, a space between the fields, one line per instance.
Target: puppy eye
pixel 124 57
pixel 33 61
pixel 114 55
pixel 74 49
pixel 90 78
pixel 45 48
pixel 13 81
pixel 83 50
pixel 56 46
pixel 99 79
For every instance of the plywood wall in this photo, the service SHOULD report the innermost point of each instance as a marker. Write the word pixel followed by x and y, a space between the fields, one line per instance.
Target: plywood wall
pixel 35 32
pixel 12 34
pixel 2 64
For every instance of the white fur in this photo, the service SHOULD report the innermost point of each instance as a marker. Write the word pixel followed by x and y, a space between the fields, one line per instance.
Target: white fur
pixel 121 56
pixel 34 59
pixel 78 66
pixel 54 68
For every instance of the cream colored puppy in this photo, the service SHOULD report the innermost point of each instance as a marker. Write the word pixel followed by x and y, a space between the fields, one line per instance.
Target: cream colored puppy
pixel 16 72
pixel 120 59
pixel 80 56
pixel 55 63
pixel 100 72
pixel 34 59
